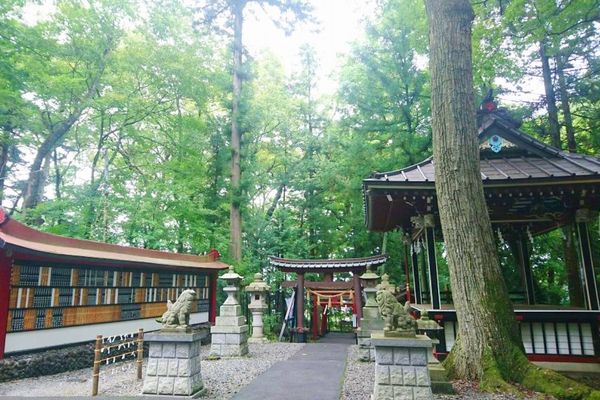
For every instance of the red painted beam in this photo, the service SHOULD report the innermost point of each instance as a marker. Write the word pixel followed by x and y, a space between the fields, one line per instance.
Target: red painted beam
pixel 563 358
pixel 5 270
pixel 212 293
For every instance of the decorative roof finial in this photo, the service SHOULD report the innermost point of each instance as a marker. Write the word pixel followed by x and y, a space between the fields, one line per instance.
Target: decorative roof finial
pixel 488 104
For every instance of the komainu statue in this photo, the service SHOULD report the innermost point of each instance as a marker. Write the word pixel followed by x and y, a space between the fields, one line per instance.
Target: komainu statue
pixel 398 321
pixel 178 313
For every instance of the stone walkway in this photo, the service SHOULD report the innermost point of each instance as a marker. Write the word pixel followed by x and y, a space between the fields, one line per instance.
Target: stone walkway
pixel 315 372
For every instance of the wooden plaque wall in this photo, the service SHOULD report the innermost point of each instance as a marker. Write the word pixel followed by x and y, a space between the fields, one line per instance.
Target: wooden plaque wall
pixel 43 297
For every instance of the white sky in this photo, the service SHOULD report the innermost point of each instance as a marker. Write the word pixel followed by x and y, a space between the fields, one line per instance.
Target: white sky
pixel 340 22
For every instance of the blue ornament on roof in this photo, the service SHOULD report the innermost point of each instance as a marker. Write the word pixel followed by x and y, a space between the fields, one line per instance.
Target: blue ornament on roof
pixel 495 142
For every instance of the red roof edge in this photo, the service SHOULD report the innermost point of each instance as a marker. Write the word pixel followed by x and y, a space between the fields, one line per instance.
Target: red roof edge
pixel 19 235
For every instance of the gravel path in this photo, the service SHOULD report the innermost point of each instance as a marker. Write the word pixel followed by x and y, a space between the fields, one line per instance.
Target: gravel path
pixel 360 378
pixel 222 378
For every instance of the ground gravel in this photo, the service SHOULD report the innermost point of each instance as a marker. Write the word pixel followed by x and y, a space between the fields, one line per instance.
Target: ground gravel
pixel 222 378
pixel 360 378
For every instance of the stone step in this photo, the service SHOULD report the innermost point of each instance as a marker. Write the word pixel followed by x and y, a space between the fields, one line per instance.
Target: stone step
pixel 439 379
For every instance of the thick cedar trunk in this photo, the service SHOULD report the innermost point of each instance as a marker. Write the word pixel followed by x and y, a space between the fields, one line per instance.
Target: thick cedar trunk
pixel 550 98
pixel 569 251
pixel 235 214
pixel 488 334
pixel 564 105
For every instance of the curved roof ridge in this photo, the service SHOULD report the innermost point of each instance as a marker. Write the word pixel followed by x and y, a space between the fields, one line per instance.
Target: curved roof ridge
pixel 329 262
pixel 401 170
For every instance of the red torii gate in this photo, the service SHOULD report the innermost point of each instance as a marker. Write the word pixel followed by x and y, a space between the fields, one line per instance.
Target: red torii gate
pixel 327 291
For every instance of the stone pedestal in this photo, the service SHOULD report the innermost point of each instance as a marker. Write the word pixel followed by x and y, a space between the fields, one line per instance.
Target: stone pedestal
pixel 371 320
pixel 173 364
pixel 229 335
pixel 401 368
pixel 369 323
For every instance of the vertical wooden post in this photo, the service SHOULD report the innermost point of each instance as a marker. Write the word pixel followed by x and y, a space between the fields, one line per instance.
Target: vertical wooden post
pixel 300 302
pixel 5 271
pixel 434 288
pixel 212 293
pixel 140 352
pixel 591 289
pixel 357 297
pixel 315 318
pixel 96 370
pixel 324 321
pixel 416 276
pixel 525 264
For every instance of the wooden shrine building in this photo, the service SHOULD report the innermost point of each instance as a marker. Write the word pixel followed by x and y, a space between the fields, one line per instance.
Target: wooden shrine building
pixel 327 292
pixel 56 290
pixel 530 189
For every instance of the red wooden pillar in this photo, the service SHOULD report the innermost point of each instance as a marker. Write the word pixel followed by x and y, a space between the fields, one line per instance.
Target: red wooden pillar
pixel 5 270
pixel 324 321
pixel 315 318
pixel 357 298
pixel 212 311
pixel 300 302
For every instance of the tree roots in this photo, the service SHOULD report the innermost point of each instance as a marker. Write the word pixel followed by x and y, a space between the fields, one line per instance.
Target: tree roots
pixel 501 374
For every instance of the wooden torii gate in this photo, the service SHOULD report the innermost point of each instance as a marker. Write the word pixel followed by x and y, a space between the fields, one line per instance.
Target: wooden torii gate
pixel 328 291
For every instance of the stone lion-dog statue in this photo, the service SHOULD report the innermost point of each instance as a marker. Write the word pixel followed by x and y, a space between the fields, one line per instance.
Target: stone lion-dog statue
pixel 397 320
pixel 178 313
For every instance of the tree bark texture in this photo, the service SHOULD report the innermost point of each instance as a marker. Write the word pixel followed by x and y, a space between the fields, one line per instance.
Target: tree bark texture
pixel 550 98
pixel 487 330
pixel 236 172
pixel 565 106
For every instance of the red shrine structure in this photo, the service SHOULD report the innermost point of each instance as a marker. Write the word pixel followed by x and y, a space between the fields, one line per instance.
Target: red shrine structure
pixel 56 290
pixel 530 189
pixel 328 292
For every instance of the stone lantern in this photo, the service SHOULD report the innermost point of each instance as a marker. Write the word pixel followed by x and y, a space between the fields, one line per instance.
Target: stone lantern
pixel 371 320
pixel 258 304
pixel 386 285
pixel 229 335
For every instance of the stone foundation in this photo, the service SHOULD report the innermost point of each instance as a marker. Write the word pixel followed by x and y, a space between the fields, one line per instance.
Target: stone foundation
pixel 173 364
pixel 229 341
pixel 401 368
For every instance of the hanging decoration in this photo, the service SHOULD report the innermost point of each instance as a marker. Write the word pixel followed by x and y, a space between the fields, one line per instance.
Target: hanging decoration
pixel 529 235
pixel 495 142
pixel 500 238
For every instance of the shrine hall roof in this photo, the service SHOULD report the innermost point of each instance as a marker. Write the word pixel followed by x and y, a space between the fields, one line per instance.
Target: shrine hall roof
pixel 29 244
pixel 524 159
pixel 340 264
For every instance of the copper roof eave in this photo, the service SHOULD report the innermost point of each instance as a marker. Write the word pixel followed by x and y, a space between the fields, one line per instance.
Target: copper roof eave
pixel 17 236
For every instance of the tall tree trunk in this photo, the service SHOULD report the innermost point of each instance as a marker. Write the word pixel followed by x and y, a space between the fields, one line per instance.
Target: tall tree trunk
pixel 550 98
pixel 36 179
pixel 4 151
pixel 488 336
pixel 564 104
pixel 569 249
pixel 569 243
pixel 236 190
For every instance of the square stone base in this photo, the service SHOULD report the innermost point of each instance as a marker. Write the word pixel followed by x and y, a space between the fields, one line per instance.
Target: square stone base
pixel 173 364
pixel 229 341
pixel 401 368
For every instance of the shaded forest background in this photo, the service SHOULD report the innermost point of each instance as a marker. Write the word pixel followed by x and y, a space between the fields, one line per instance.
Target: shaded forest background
pixel 115 124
